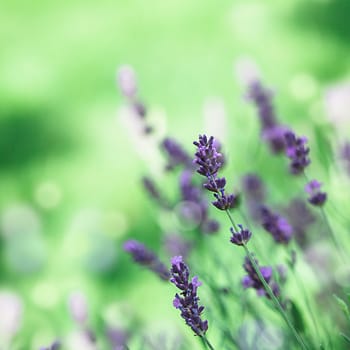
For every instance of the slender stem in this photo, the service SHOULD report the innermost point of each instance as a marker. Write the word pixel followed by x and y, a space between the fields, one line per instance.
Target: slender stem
pixel 307 302
pixel 207 342
pixel 274 299
pixel 269 291
pixel 331 232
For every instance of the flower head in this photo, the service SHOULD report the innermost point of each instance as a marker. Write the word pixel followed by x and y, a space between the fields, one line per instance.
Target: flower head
pixel 207 156
pixel 146 258
pixel 252 280
pixel 240 238
pixel 176 154
pixel 210 161
pixel 187 300
pixel 271 131
pixel 297 152
pixel 277 225
pixel 316 197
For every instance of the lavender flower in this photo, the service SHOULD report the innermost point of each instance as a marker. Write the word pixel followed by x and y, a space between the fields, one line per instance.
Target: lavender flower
pixel 118 338
pixel 207 157
pixel 262 98
pixel 297 152
pixel 210 161
pixel 252 279
pixel 146 258
pixel 176 154
pixel 316 198
pixel 187 300
pixel 240 238
pixel 271 131
pixel 301 218
pixel 277 225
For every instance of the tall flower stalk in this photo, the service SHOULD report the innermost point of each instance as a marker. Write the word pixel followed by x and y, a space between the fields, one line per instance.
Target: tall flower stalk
pixel 209 161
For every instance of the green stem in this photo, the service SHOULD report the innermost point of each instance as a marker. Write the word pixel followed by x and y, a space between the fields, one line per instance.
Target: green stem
pixel 269 290
pixel 274 299
pixel 331 232
pixel 205 343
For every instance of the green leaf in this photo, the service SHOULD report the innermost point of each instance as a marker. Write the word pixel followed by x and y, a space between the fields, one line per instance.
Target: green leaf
pixel 343 306
pixel 298 320
pixel 324 147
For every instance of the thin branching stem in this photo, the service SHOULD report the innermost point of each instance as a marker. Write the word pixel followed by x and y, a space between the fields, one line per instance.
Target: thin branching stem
pixel 270 292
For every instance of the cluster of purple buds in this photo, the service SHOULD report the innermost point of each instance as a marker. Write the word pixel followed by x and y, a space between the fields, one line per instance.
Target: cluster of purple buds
pixel 271 131
pixel 277 225
pixel 128 86
pixel 176 154
pixel 240 238
pixel 316 197
pixel 192 194
pixel 146 258
pixel 252 280
pixel 210 161
pixel 298 152
pixel 187 300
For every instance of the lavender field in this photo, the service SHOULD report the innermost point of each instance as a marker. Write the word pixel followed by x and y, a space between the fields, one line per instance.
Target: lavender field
pixel 175 175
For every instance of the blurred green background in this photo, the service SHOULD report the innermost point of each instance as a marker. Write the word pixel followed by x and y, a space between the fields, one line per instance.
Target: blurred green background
pixel 69 170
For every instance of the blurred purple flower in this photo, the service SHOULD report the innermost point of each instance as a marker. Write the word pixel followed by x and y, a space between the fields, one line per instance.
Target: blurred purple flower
pixel 176 154
pixel 301 218
pixel 187 300
pixel 252 279
pixel 316 197
pixel 345 155
pixel 146 258
pixel 271 131
pixel 277 225
pixel 118 338
pixel 297 152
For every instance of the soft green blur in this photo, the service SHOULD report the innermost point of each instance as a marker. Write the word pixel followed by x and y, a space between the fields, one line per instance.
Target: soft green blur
pixel 70 165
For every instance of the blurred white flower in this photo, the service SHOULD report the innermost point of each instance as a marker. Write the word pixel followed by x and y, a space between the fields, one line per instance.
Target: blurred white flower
pixel 337 104
pixel 10 316
pixel 78 307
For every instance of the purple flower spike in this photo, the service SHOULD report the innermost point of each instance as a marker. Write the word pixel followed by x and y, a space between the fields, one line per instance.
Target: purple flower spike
pixel 176 154
pixel 297 152
pixel 187 300
pixel 271 131
pixel 252 279
pixel 317 198
pixel 146 258
pixel 210 161
pixel 207 156
pixel 240 238
pixel 278 226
